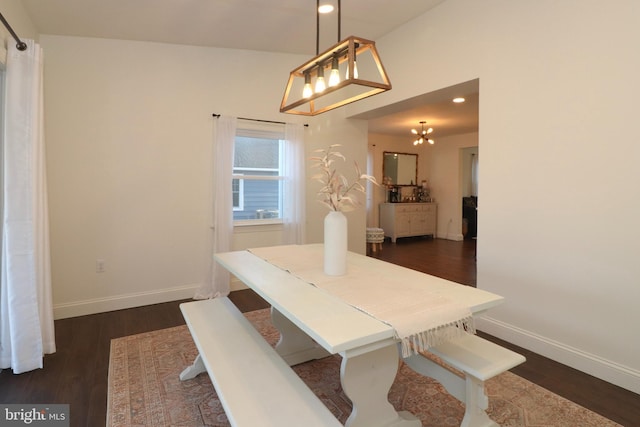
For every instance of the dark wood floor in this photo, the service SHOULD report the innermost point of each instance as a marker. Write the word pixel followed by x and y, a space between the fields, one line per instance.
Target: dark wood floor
pixel 77 373
pixel 455 261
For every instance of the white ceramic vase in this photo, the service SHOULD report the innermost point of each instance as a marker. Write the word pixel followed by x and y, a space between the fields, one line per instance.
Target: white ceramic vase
pixel 335 244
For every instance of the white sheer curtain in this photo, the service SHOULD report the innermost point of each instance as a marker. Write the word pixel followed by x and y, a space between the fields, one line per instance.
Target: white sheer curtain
pixel 370 196
pixel 475 166
pixel 293 215
pixel 217 278
pixel 26 311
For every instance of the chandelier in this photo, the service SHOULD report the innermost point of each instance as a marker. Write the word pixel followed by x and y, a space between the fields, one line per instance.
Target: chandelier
pixel 422 134
pixel 308 93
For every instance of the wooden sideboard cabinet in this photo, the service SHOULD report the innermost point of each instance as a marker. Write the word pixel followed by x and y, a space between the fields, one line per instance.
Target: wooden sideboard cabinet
pixel 408 219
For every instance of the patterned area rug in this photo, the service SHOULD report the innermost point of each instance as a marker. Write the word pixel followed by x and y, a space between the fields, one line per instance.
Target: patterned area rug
pixel 144 389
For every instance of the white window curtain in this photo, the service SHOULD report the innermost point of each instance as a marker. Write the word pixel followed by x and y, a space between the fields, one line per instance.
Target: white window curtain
pixel 26 310
pixel 293 215
pixel 217 278
pixel 370 196
pixel 475 166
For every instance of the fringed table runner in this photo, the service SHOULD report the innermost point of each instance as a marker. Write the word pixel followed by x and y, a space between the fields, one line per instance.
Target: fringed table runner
pixel 405 299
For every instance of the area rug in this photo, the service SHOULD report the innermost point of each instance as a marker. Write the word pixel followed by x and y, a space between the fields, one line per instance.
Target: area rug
pixel 144 389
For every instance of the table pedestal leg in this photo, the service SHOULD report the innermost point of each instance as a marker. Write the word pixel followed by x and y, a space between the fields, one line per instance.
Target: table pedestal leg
pixel 366 379
pixel 294 345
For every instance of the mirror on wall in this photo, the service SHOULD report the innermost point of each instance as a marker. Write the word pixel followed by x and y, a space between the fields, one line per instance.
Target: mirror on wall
pixel 400 168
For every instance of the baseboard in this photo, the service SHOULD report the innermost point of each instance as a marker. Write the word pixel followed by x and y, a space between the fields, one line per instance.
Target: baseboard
pixel 606 370
pixel 119 302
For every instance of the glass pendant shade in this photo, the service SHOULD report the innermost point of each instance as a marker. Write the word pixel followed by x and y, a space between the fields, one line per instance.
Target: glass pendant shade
pixel 334 77
pixel 320 84
pixel 307 91
pixel 355 70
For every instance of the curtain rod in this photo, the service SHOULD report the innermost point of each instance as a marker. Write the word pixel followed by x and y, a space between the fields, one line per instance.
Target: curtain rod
pixel 259 120
pixel 20 45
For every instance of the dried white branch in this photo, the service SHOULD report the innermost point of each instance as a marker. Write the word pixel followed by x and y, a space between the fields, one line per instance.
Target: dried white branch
pixel 336 192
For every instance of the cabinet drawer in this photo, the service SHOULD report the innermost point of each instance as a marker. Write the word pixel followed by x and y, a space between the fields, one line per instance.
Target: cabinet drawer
pixel 413 207
pixel 408 219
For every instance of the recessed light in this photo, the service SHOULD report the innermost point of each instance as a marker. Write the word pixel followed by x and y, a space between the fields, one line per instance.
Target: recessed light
pixel 325 8
pixel 458 100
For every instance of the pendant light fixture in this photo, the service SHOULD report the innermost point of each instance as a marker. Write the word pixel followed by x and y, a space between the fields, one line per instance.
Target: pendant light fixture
pixel 362 78
pixel 422 134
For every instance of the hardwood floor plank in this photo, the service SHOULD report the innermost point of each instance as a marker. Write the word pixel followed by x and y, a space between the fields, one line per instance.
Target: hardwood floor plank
pixel 442 258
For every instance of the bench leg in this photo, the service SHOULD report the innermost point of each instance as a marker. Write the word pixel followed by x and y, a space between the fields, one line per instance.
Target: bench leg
pixel 366 378
pixel 454 384
pixel 294 345
pixel 468 390
pixel 475 405
pixel 196 368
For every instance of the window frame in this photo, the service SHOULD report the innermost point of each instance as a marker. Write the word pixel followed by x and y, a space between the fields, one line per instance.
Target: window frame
pixel 274 131
pixel 240 206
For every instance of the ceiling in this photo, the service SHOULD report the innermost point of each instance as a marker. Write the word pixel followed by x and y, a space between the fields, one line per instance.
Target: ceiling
pixel 436 108
pixel 264 26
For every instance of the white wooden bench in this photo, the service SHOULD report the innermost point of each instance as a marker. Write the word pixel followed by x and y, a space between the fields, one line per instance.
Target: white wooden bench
pixel 478 360
pixel 255 385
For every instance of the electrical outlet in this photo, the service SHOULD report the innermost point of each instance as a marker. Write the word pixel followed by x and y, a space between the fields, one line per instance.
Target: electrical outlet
pixel 100 266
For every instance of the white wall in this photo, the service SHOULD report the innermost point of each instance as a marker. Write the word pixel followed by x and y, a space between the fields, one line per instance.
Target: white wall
pixel 128 133
pixel 129 130
pixel 558 183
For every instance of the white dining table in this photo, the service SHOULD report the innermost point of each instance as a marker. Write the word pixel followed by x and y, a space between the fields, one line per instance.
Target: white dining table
pixel 314 321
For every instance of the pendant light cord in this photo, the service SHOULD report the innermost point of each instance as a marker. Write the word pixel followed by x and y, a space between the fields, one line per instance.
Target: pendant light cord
pixel 339 20
pixel 318 25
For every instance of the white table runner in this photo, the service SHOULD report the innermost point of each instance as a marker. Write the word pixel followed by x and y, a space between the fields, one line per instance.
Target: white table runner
pixel 420 317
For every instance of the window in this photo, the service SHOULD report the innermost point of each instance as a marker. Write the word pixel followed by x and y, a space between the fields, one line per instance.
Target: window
pixel 257 185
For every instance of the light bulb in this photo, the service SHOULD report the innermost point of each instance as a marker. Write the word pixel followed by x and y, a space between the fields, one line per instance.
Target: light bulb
pixel 320 84
pixel 334 77
pixel 307 91
pixel 325 8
